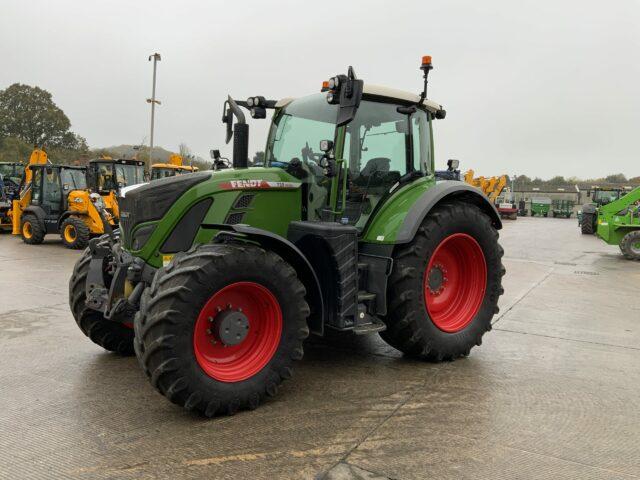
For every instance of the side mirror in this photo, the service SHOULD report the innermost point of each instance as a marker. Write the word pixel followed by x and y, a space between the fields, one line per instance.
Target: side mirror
pixel 49 170
pixel 227 117
pixel 215 154
pixel 65 187
pixel 453 164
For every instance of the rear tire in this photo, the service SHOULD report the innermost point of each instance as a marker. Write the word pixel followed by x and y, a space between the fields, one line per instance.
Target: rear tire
pixel 414 325
pixel 32 231
pixel 184 356
pixel 586 224
pixel 110 335
pixel 74 233
pixel 630 245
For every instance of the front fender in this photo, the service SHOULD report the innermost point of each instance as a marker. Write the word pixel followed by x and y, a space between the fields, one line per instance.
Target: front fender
pixel 443 191
pixel 37 211
pixel 291 254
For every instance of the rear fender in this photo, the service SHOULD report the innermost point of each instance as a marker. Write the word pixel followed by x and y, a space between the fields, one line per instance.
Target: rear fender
pixel 442 192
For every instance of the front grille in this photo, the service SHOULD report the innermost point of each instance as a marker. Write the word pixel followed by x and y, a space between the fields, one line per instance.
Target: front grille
pixel 126 223
pixel 151 201
pixel 234 218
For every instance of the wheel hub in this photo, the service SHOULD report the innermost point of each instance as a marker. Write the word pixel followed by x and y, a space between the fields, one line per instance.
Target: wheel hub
pixel 437 279
pixel 230 326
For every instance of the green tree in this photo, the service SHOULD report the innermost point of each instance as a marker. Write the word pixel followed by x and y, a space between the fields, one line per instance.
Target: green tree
pixel 616 178
pixel 30 114
pixel 13 149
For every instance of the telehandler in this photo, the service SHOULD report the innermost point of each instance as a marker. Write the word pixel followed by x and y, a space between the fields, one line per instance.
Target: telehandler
pixel 174 167
pixel 223 274
pixel 55 199
pixel 619 224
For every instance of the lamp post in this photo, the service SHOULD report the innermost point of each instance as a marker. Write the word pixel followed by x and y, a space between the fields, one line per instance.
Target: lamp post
pixel 156 58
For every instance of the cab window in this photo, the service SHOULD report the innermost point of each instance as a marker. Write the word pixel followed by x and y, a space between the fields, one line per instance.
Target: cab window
pixel 380 150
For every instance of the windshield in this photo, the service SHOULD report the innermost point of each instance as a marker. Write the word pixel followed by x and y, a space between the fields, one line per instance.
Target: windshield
pixel 606 196
pixel 159 172
pixel 297 130
pixel 128 174
pixel 73 179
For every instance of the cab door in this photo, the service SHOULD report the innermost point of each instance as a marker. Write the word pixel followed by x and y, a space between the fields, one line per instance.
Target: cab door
pixel 385 146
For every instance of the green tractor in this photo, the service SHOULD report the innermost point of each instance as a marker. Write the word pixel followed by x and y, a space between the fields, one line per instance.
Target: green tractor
pixel 619 224
pixel 215 279
pixel 588 215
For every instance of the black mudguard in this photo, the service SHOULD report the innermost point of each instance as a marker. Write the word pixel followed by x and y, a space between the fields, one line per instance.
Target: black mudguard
pixel 445 190
pixel 37 211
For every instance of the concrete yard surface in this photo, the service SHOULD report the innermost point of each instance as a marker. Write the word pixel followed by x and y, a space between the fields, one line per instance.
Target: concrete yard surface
pixel 553 392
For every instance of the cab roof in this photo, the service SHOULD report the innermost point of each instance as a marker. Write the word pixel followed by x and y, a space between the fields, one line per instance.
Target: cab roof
pixel 128 161
pixel 383 92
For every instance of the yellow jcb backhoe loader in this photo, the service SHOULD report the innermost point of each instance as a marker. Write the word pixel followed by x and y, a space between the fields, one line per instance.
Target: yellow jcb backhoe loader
pixel 106 176
pixel 55 199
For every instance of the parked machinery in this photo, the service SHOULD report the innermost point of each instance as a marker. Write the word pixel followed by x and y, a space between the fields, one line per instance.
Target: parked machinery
pixel 493 188
pixel 562 208
pixel 506 205
pixel 223 274
pixel 55 199
pixel 540 206
pixel 588 215
pixel 174 167
pixel 619 224
pixel 11 174
pixel 107 176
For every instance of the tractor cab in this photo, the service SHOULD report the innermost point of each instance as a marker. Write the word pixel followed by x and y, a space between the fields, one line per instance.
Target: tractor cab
pixel 50 189
pixel 603 196
pixel 107 176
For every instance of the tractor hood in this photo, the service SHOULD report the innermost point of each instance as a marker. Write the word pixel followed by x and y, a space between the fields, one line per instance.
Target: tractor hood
pixel 151 213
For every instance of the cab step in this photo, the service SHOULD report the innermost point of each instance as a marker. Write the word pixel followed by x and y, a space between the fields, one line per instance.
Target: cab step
pixel 376 325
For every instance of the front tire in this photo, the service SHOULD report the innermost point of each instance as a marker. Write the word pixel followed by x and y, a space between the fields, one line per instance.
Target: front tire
pixel 630 245
pixel 586 224
pixel 221 327
pixel 74 233
pixel 110 335
pixel 32 231
pixel 445 284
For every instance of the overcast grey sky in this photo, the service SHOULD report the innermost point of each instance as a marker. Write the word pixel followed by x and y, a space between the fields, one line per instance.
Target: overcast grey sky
pixel 540 88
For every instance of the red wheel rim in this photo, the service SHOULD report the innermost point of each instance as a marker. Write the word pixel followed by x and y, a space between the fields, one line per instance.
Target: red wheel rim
pixel 455 282
pixel 260 310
